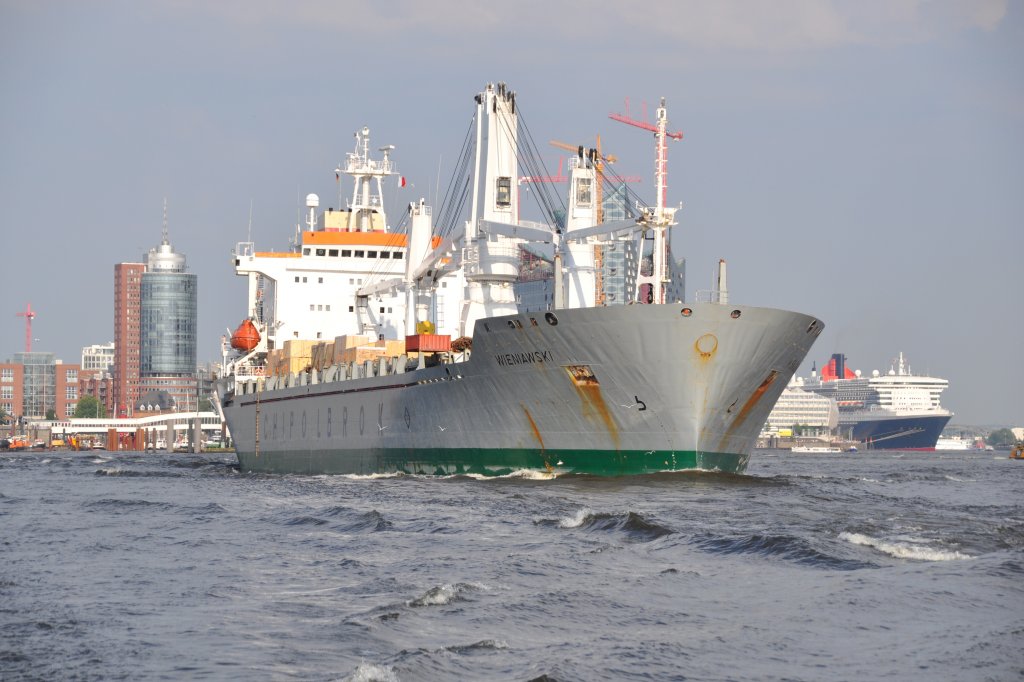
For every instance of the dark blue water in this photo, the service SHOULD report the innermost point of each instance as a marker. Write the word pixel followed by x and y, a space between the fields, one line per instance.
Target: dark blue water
pixel 871 566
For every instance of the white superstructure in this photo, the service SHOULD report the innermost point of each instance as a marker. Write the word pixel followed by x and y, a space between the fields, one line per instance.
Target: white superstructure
pixel 904 392
pixel 312 290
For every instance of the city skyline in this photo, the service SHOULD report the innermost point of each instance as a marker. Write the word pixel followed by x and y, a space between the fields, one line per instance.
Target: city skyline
pixel 856 161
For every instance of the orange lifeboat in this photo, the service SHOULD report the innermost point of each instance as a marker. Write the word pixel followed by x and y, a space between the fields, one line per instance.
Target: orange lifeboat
pixel 246 337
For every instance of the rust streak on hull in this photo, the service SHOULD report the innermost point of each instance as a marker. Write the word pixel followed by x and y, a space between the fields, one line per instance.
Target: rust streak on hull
pixel 593 403
pixel 533 427
pixel 744 412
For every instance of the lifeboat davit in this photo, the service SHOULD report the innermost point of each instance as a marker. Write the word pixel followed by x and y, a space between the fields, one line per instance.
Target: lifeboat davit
pixel 246 337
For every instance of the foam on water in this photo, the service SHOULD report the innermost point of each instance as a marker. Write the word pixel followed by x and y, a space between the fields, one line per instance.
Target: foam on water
pixel 577 519
pixel 363 477
pixel 903 550
pixel 370 672
pixel 442 595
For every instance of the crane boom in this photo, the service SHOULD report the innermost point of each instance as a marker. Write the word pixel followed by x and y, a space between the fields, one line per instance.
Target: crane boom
pixel 29 316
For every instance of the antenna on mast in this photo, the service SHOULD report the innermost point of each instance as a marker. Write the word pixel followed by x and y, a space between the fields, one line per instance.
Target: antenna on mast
pixel 165 241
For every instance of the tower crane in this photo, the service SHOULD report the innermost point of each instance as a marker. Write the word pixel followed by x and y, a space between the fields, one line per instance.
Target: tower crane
pixel 29 316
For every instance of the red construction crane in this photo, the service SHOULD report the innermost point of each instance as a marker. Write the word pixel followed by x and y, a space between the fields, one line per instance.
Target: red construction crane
pixel 29 316
pixel 661 167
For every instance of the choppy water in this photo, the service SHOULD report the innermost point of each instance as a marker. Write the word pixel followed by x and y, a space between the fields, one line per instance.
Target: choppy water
pixel 870 566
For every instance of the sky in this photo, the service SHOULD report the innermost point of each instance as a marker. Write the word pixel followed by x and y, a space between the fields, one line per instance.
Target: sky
pixel 859 161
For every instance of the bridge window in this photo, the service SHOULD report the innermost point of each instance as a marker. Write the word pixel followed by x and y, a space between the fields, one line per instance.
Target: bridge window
pixel 346 253
pixel 503 195
pixel 583 195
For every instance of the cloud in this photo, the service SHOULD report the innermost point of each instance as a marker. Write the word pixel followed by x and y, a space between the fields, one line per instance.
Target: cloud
pixel 755 25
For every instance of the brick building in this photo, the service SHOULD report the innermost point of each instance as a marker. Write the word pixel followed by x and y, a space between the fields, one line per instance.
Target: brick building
pixel 127 337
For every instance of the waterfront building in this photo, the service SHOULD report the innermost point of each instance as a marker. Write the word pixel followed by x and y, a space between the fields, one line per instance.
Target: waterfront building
pixel 98 357
pixel 127 331
pixel 812 414
pixel 35 383
pixel 155 330
pixel 99 385
pixel 12 388
pixel 168 314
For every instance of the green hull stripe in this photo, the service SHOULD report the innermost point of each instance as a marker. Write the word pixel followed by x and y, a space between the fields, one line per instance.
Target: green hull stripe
pixel 454 461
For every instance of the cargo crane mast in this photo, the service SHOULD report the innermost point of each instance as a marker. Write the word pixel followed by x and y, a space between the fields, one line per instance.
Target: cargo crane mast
pixel 599 161
pixel 660 218
pixel 29 316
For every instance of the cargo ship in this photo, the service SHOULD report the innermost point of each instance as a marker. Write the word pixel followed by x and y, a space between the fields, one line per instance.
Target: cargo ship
pixel 372 350
pixel 898 410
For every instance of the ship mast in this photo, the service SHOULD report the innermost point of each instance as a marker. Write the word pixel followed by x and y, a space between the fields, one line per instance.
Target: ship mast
pixel 367 203
pixel 659 218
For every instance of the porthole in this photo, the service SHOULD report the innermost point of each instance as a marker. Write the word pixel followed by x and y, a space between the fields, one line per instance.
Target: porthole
pixel 686 312
pixel 550 317
pixel 735 314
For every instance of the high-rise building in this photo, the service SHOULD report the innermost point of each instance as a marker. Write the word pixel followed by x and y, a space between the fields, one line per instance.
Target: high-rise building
pixel 127 335
pixel 155 323
pixel 167 350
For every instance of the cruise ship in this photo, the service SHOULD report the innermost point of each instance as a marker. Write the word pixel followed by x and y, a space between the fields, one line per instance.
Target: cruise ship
pixel 368 348
pixel 898 410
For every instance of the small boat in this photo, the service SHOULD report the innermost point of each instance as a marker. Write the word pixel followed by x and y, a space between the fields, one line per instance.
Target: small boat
pixel 815 448
pixel 1018 450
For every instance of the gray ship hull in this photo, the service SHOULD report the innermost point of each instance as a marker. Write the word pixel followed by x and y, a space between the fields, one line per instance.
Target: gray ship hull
pixel 607 391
